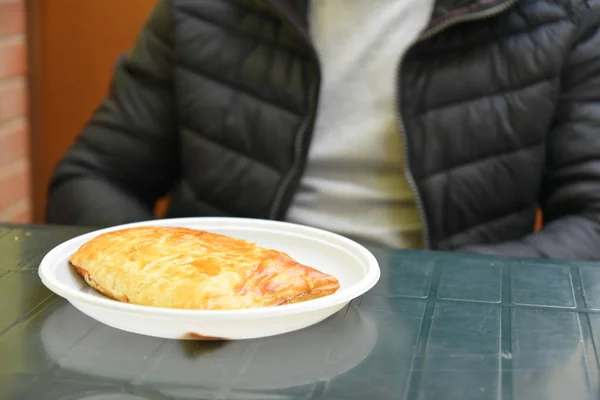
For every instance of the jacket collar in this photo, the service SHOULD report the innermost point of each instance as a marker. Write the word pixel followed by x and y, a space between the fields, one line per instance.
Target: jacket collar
pixel 296 11
pixel 446 10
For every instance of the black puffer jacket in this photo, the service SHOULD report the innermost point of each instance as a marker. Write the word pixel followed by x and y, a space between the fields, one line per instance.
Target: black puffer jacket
pixel 500 100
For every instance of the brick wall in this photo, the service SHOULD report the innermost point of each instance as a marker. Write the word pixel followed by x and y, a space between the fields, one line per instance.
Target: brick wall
pixel 14 135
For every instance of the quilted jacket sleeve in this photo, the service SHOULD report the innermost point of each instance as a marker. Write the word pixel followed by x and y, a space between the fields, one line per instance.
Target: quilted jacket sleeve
pixel 126 156
pixel 571 194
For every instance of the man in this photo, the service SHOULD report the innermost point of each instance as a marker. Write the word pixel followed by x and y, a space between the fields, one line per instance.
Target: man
pixel 414 124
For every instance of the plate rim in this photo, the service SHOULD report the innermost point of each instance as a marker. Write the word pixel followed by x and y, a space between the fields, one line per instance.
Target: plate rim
pixel 372 276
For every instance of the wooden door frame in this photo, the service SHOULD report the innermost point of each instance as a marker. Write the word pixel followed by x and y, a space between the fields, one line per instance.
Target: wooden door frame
pixel 33 12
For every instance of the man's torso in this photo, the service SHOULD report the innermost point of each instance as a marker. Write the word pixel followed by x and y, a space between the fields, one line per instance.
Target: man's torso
pixel 476 98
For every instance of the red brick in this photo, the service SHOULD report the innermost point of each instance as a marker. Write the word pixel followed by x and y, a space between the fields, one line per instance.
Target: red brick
pixel 14 183
pixel 14 136
pixel 21 216
pixel 19 212
pixel 14 142
pixel 12 17
pixel 12 56
pixel 13 99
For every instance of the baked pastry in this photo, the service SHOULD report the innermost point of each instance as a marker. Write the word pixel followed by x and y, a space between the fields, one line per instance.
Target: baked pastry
pixel 192 269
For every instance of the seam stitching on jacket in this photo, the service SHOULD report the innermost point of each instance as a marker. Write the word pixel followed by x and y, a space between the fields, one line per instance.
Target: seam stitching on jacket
pixel 297 52
pixel 237 87
pixel 496 219
pixel 437 51
pixel 231 150
pixel 197 198
pixel 453 168
pixel 525 86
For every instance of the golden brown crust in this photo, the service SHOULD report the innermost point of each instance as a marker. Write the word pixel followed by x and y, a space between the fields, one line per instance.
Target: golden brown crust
pixel 192 269
pixel 197 336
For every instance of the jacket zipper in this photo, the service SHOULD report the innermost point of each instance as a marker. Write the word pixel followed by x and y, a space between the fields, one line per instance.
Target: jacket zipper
pixel 299 148
pixel 299 143
pixel 475 16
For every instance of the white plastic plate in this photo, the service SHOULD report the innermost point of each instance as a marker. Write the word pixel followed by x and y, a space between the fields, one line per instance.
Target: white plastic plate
pixel 352 264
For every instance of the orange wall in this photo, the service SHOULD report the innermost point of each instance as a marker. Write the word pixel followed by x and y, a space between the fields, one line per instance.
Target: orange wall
pixel 75 45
